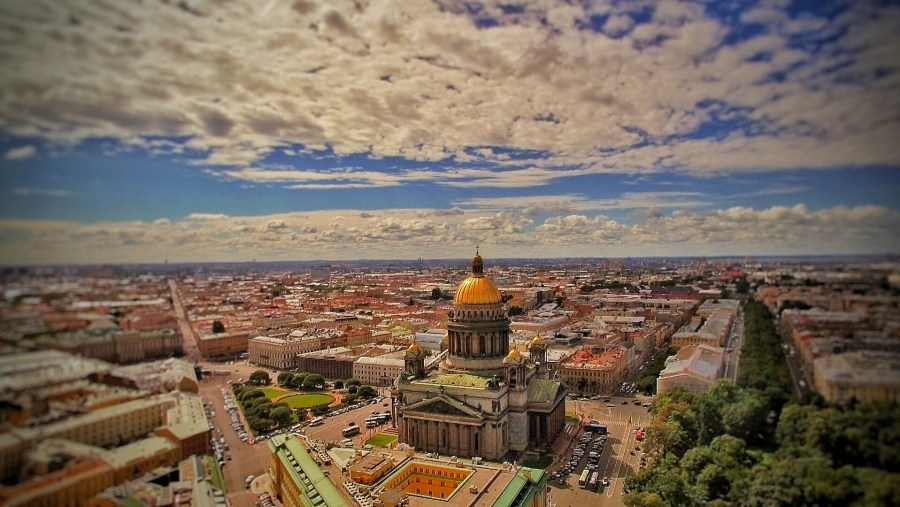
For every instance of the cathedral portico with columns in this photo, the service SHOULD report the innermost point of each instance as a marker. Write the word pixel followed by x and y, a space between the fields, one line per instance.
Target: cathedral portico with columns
pixel 484 399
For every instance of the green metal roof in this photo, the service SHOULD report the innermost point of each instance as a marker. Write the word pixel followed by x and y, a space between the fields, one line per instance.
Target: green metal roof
pixel 456 379
pixel 542 390
pixel 522 488
pixel 310 479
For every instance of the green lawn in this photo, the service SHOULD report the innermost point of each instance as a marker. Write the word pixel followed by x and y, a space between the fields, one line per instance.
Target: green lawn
pixel 308 400
pixel 273 392
pixel 381 440
pixel 541 462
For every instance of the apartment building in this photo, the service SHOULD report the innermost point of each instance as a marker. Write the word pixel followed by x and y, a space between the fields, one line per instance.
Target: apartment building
pixel 694 367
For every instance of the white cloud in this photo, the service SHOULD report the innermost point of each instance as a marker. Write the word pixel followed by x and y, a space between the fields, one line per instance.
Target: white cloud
pixel 20 153
pixel 365 79
pixel 424 233
pixel 206 216
pixel 43 192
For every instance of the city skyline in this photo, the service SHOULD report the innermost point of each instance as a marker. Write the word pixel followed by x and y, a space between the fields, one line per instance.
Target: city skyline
pixel 302 131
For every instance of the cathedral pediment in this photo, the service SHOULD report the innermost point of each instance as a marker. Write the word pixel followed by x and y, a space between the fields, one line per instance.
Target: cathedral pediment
pixel 444 405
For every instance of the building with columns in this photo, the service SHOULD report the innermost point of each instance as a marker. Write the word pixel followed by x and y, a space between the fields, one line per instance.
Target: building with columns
pixel 483 399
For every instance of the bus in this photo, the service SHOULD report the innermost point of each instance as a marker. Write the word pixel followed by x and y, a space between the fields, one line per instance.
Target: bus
pixel 349 431
pixel 583 480
pixel 595 478
pixel 317 421
pixel 371 423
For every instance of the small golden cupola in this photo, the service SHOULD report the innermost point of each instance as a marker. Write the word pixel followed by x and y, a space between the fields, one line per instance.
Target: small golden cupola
pixel 513 357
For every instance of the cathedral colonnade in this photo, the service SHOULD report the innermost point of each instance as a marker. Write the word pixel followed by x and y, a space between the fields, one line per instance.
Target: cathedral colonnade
pixel 450 438
pixel 544 426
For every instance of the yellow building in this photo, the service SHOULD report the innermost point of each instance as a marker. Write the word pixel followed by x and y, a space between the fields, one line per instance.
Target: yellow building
pixel 371 468
pixel 296 479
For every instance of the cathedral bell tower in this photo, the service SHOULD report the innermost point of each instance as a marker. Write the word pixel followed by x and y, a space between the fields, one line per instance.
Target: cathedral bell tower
pixel 414 361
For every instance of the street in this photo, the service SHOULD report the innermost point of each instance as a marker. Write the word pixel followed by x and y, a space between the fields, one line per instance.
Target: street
pixel 616 461
pixel 188 338
pixel 245 459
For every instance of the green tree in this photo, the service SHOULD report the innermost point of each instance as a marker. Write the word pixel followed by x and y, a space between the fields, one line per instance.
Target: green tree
pixel 746 418
pixel 353 382
pixel 259 424
pixel 647 384
pixel 299 378
pixel 320 410
pixel 352 389
pixel 218 327
pixel 249 394
pixel 351 398
pixel 259 378
pixel 581 384
pixel 313 381
pixel 301 414
pixel 281 415
pixel 436 294
pixel 286 379
pixel 338 384
pixel 366 391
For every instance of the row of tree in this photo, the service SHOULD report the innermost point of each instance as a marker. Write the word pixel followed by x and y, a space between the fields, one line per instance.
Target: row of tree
pixel 306 381
pixel 742 446
pixel 720 448
pixel 762 364
pixel 261 414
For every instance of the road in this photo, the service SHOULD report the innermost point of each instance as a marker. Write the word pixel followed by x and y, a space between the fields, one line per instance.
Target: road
pixel 616 461
pixel 795 366
pixel 188 338
pixel 245 459
pixel 735 341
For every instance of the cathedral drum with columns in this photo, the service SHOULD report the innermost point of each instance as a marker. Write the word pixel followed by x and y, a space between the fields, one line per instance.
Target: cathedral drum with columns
pixel 483 399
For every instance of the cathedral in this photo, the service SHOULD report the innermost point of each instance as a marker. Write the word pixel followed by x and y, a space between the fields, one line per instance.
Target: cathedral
pixel 482 399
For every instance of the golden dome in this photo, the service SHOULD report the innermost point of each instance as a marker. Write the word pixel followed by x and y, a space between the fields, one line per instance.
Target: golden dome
pixel 446 338
pixel 513 355
pixel 414 348
pixel 538 341
pixel 477 290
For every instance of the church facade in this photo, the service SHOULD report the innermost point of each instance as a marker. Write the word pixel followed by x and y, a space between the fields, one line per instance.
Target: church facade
pixel 484 399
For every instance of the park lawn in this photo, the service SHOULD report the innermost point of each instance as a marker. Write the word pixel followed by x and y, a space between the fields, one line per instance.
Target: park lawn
pixel 571 417
pixel 381 440
pixel 272 392
pixel 308 400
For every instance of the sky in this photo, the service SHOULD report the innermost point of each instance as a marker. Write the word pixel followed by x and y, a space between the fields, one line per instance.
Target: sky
pixel 187 131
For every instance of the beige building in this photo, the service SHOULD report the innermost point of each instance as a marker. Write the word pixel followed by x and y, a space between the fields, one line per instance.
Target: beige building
pixel 86 470
pixel 864 375
pixel 710 326
pixel 179 417
pixel 379 370
pixel 229 344
pixel 602 372
pixel 694 367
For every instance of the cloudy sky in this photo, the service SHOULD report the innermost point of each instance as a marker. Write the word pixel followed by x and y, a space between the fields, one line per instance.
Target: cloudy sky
pixel 275 130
